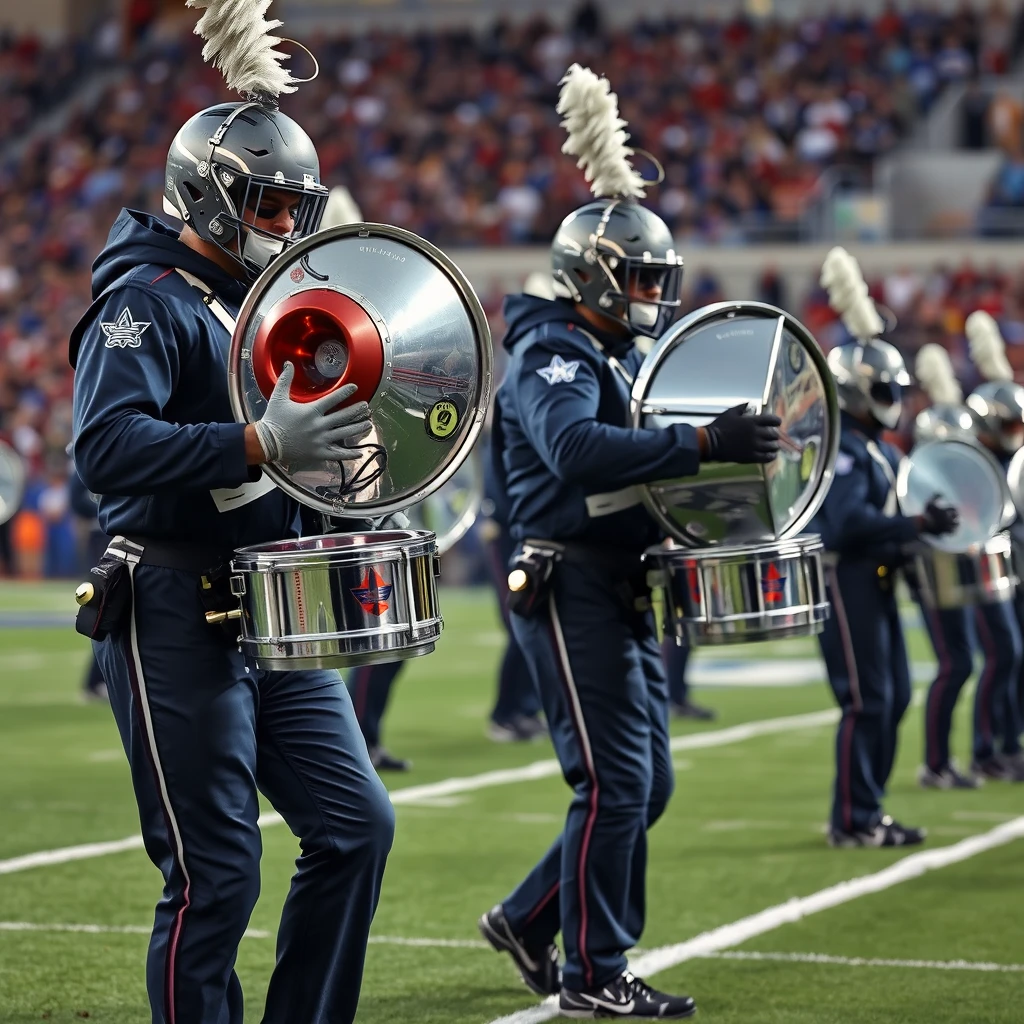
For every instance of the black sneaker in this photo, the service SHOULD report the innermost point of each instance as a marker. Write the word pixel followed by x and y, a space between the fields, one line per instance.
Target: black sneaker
pixel 537 966
pixel 991 768
pixel 690 710
pixel 886 833
pixel 1013 767
pixel 628 997
pixel 384 761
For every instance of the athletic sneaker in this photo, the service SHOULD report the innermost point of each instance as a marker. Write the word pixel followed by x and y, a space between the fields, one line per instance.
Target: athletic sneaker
pixel 949 777
pixel 627 997
pixel 1013 766
pixel 519 729
pixel 992 768
pixel 537 965
pixel 384 761
pixel 886 833
pixel 690 710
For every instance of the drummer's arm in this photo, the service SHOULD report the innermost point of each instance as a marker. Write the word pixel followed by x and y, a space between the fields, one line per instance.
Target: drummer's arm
pixel 560 419
pixel 850 520
pixel 123 384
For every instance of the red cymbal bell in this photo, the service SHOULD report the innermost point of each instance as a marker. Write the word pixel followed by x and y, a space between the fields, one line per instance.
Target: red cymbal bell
pixel 330 339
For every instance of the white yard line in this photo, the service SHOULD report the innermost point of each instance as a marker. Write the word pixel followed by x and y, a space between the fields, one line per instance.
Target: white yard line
pixel 723 938
pixel 433 791
pixel 856 961
pixel 424 943
pixel 251 933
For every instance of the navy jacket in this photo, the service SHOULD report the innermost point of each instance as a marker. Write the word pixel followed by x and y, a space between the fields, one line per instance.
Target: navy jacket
pixel 851 521
pixel 153 427
pixel 560 432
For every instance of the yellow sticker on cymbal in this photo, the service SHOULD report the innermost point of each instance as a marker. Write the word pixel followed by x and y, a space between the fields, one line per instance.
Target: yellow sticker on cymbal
pixel 442 419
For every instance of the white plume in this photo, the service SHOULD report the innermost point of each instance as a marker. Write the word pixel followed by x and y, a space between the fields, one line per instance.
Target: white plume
pixel 934 373
pixel 341 209
pixel 540 284
pixel 239 43
pixel 848 295
pixel 988 350
pixel 596 135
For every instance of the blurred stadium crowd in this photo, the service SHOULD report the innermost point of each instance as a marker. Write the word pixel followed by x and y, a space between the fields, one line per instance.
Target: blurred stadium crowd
pixel 455 136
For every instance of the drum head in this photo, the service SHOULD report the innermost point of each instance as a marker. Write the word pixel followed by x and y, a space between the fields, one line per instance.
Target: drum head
pixel 12 481
pixel 451 510
pixel 379 307
pixel 716 358
pixel 967 477
pixel 1015 481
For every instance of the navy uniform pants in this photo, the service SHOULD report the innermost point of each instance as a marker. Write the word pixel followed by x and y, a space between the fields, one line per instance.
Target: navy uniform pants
pixel 204 736
pixel 862 644
pixel 1018 605
pixel 597 665
pixel 996 719
pixel 676 658
pixel 370 688
pixel 517 694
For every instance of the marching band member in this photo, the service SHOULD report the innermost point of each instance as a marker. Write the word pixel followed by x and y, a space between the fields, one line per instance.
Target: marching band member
pixel 998 408
pixel 953 630
pixel 580 602
pixel 155 437
pixel 864 535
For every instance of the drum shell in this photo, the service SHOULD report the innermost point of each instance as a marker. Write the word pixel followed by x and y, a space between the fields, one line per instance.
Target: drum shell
pixel 721 596
pixel 985 575
pixel 338 600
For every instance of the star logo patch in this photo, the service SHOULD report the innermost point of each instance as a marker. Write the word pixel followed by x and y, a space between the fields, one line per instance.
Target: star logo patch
pixel 125 332
pixel 373 593
pixel 558 370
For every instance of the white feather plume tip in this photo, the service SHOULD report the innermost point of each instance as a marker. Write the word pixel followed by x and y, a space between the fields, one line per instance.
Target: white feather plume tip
pixel 341 209
pixel 848 295
pixel 934 373
pixel 240 45
pixel 596 135
pixel 988 350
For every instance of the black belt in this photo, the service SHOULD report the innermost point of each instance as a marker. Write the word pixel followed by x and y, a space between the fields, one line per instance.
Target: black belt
pixel 619 561
pixel 182 555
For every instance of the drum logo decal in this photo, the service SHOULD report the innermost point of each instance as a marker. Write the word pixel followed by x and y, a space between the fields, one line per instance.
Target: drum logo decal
pixel 442 419
pixel 773 585
pixel 373 593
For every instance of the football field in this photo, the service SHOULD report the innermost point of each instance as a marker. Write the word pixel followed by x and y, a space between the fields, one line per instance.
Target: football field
pixel 748 909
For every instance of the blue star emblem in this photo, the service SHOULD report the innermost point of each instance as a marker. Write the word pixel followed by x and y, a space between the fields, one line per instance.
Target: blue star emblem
pixel 125 332
pixel 558 369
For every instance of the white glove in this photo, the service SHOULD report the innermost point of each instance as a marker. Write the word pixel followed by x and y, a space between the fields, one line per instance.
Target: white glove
pixel 308 433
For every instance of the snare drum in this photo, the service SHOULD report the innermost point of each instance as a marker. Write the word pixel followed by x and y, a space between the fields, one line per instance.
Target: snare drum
pixel 338 600
pixel 742 594
pixel 983 575
pixel 741 569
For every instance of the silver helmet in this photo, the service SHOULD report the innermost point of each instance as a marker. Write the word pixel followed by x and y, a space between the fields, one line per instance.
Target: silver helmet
pixel 998 409
pixel 869 379
pixel 944 423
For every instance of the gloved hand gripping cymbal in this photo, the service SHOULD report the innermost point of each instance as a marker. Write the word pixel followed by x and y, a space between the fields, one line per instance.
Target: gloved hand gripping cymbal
pixel 736 437
pixel 307 433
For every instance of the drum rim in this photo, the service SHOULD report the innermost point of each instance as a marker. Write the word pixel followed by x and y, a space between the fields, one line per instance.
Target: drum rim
pixel 18 476
pixel 660 352
pixel 785 547
pixel 397 540
pixel 906 467
pixel 485 370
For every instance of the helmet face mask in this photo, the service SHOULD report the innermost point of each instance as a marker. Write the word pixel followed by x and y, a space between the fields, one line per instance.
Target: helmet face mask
pixel 998 410
pixel 618 259
pixel 869 380
pixel 212 187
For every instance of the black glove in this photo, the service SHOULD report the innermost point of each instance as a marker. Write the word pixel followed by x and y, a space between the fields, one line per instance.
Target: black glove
pixel 736 437
pixel 938 518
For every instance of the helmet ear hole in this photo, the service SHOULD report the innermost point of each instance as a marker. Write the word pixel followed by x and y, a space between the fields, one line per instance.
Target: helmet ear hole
pixel 194 193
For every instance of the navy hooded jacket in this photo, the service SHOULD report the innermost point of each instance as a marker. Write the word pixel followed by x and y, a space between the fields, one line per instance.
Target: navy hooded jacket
pixel 153 427
pixel 851 521
pixel 560 431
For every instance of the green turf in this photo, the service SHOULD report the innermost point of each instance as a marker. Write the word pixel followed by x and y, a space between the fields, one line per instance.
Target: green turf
pixel 744 832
